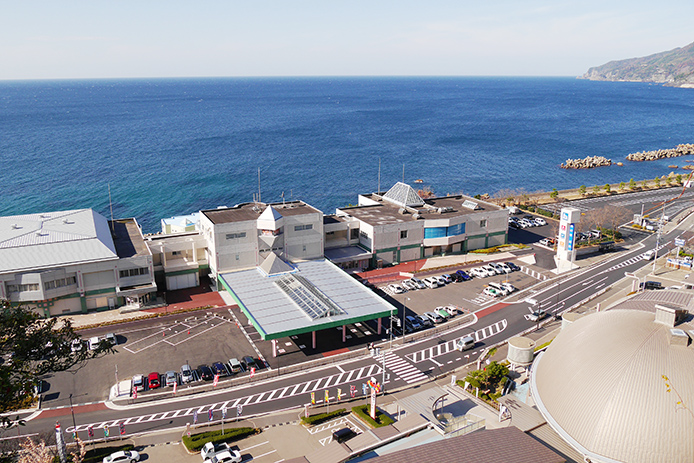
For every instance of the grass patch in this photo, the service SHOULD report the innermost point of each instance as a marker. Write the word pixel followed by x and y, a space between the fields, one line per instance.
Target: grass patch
pixel 542 346
pixel 196 441
pixel 492 351
pixel 321 417
pixel 363 412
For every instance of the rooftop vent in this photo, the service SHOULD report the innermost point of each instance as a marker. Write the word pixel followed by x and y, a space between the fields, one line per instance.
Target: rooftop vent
pixel 678 337
pixel 15 226
pixel 402 211
pixel 467 204
pixel 669 315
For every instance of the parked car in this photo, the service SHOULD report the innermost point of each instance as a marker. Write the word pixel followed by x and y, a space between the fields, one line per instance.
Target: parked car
pixel 396 289
pixel 447 278
pixel 111 338
pixel 490 292
pixel 76 345
pixel 415 323
pixel 442 311
pixel 186 374
pixel 441 280
pixel 139 383
pixel 235 366
pixel 540 221
pixel 154 380
pixel 124 456
pixel 498 288
pixel 425 321
pixel 93 342
pixel 409 285
pixel 431 282
pixel 464 275
pixel 651 285
pixel 205 372
pixel 420 284
pixel 546 242
pixel 514 225
pixel 452 311
pixel 512 266
pixel 508 287
pixel 218 368
pixel 170 378
pixel 434 317
pixel 491 271
pixel 478 272
pixel 342 435
pixel 248 362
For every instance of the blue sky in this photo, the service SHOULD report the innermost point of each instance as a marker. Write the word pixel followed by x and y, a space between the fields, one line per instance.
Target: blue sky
pixel 151 38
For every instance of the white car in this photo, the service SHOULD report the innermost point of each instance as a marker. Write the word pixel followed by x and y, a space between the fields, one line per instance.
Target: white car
pixel 442 281
pixel 504 267
pixel 76 345
pixel 420 284
pixel 409 285
pixel 396 289
pixel 479 272
pixel 226 456
pixel 491 271
pixel 540 221
pixel 453 311
pixel 649 255
pixel 431 282
pixel 139 383
pixel 508 287
pixel 125 456
pixel 93 342
pixel 434 317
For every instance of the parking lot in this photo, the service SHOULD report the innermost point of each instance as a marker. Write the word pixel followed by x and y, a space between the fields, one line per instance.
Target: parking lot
pixel 156 345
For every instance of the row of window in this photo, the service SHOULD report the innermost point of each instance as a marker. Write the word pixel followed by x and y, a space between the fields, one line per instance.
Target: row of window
pixel 22 288
pixel 308 226
pixel 442 232
pixel 133 272
pixel 62 282
pixel 235 236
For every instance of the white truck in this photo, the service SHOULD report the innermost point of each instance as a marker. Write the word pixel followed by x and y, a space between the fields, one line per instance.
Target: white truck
pixel 220 453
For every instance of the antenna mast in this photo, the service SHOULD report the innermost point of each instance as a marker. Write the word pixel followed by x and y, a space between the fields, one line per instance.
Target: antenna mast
pixel 403 172
pixel 110 205
pixel 259 185
pixel 379 176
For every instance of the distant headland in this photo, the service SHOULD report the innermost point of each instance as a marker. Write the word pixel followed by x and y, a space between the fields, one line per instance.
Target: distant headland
pixel 674 68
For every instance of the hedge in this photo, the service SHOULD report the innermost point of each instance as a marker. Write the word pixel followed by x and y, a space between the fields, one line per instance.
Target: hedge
pixel 381 418
pixel 96 455
pixel 196 442
pixel 321 417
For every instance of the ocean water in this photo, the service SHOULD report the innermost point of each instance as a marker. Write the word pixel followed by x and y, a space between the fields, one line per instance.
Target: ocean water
pixel 173 146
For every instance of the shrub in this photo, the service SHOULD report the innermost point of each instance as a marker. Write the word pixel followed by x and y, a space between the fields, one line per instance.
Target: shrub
pixel 381 419
pixel 554 194
pixel 607 188
pixel 582 190
pixel 622 186
pixel 543 212
pixel 196 442
pixel 678 178
pixel 321 417
pixel 632 184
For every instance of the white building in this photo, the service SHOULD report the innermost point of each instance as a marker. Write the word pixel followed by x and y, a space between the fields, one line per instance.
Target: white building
pixel 241 237
pixel 400 226
pixel 74 261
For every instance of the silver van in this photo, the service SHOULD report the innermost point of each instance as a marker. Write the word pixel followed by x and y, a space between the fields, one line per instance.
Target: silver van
pixel 465 343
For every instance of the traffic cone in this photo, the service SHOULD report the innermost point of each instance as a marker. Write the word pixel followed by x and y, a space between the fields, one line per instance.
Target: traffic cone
pixel 188 331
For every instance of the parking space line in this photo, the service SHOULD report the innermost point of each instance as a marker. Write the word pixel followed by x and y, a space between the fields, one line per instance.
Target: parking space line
pixel 263 455
pixel 256 445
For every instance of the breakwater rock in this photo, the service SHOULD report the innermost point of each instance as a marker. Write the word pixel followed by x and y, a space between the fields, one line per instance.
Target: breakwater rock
pixel 586 163
pixel 681 150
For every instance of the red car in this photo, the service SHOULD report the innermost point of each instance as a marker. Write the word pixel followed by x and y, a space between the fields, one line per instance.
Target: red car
pixel 154 380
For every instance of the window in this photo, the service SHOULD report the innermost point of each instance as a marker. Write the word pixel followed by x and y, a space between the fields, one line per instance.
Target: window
pixel 176 253
pixel 133 272
pixel 435 232
pixel 308 226
pixel 235 236
pixel 364 235
pixel 455 230
pixel 354 234
pixel 59 283
pixel 237 257
pixel 483 223
pixel 403 234
pixel 22 288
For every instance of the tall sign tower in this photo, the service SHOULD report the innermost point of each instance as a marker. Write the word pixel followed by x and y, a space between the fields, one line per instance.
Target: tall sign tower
pixel 566 249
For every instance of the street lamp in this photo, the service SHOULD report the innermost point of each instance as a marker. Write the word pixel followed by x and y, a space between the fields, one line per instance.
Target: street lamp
pixel 74 425
pixel 391 327
pixel 404 309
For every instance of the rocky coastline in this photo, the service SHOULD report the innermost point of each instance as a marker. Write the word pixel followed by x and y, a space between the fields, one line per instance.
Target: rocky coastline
pixel 681 150
pixel 588 162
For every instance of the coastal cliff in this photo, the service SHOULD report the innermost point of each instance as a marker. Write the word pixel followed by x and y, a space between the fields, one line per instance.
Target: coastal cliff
pixel 673 68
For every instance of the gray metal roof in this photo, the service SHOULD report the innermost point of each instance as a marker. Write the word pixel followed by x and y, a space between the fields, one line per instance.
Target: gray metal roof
pixel 602 386
pixel 275 315
pixel 54 239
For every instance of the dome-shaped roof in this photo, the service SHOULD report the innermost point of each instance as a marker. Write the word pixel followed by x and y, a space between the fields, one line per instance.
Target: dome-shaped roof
pixel 616 389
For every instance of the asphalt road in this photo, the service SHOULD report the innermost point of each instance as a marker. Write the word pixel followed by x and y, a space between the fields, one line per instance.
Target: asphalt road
pixel 404 365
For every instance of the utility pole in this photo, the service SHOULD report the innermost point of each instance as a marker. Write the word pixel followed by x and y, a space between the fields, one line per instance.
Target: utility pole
pixel 657 238
pixel 74 425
